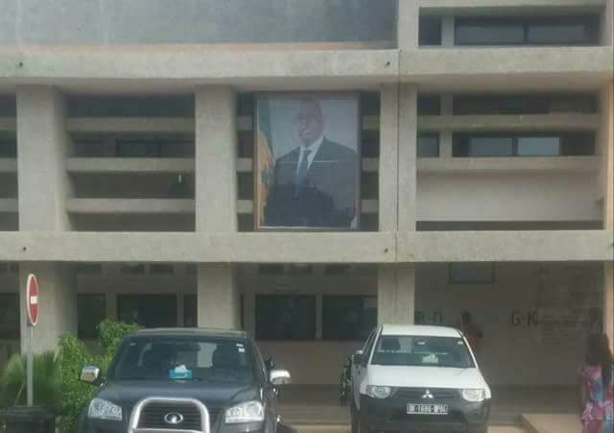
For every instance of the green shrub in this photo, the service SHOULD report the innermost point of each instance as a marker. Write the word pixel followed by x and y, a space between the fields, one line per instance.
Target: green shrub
pixel 46 382
pixel 73 356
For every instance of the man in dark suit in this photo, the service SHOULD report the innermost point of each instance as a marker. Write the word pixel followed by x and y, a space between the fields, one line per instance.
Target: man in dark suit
pixel 316 183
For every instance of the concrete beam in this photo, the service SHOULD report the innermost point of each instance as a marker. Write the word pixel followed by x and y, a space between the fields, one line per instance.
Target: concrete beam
pixel 8 124
pixel 494 5
pixel 382 247
pixel 128 165
pixel 396 288
pixel 116 206
pixel 130 125
pixel 538 164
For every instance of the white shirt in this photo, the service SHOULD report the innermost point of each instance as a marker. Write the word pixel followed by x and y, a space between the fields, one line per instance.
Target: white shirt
pixel 313 148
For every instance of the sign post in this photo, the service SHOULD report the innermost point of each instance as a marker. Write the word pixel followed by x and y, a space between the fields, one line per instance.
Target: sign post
pixel 32 312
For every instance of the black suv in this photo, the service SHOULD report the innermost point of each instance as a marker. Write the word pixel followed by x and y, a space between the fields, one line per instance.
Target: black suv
pixel 184 379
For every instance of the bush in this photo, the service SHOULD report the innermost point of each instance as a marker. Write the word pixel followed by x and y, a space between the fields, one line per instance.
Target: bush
pixel 73 356
pixel 46 382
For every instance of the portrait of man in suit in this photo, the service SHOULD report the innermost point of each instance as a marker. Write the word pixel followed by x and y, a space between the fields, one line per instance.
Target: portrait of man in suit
pixel 315 184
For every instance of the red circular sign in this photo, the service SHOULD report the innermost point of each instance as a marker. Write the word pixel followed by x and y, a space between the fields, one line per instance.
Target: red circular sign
pixel 32 300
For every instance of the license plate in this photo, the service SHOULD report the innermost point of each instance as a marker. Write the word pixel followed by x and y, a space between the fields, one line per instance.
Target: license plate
pixel 427 409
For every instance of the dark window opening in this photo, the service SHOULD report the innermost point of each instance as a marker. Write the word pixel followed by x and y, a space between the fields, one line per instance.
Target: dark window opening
pixel 370 104
pixel 348 317
pixel 149 311
pixel 369 146
pixel 428 145
pixel 429 105
pixel 429 33
pixel 88 268
pixel 9 316
pixel 91 310
pixel 369 185
pixel 529 144
pixel 161 269
pixel 271 269
pixel 546 30
pixel 130 106
pixel 245 186
pixel 112 147
pixel 524 104
pixel 8 148
pixel 281 317
pixel 132 268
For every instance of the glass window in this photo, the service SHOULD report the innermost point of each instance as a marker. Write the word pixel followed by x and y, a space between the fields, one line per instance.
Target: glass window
pixel 91 310
pixel 161 269
pixel 130 106
pixel 132 268
pixel 88 268
pixel 192 358
pixel 9 316
pixel 337 269
pixel 419 351
pixel 524 104
pixel 538 146
pixel 190 311
pixel 348 317
pixel 429 31
pixel 8 148
pixel 488 32
pixel 478 146
pixel 137 149
pixel 8 106
pixel 428 145
pixel 176 149
pixel 547 34
pixel 285 317
pixel 429 105
pixel 272 269
pixel 472 273
pixel 149 311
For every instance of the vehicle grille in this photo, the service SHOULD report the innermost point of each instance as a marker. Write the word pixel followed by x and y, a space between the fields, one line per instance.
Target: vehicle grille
pixel 153 416
pixel 414 395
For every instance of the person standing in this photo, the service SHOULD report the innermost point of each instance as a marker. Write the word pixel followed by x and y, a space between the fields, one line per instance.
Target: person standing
pixel 596 386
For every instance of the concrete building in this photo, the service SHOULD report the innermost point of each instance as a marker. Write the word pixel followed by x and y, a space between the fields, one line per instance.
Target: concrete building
pixel 128 185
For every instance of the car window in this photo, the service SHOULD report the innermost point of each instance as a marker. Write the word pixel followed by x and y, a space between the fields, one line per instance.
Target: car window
pixel 184 358
pixel 422 351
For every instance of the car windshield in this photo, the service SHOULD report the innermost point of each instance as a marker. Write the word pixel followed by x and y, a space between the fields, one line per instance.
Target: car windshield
pixel 422 351
pixel 201 359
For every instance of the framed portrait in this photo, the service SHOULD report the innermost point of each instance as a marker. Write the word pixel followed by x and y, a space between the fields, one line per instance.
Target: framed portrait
pixel 307 161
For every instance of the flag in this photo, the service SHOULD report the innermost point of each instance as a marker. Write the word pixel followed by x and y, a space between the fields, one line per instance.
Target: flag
pixel 265 160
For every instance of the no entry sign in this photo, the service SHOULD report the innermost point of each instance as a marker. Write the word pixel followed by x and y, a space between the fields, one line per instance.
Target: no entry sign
pixel 32 300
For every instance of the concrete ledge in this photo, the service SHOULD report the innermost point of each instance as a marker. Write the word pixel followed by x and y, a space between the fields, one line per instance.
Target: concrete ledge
pixel 276 247
pixel 524 164
pixel 8 165
pixel 551 423
pixel 128 165
pixel 455 5
pixel 8 124
pixel 8 205
pixel 130 124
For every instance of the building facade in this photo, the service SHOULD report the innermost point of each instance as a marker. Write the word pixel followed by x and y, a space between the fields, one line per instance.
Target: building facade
pixel 142 148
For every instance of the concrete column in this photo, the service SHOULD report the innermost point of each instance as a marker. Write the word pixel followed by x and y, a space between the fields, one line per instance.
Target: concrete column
pixel 395 294
pixel 41 153
pixel 218 298
pixel 408 19
pixel 608 24
pixel 215 160
pixel 408 135
pixel 57 304
pixel 389 158
pixel 607 182
pixel 447 31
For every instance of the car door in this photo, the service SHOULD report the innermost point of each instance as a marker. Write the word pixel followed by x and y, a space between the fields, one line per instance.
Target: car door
pixel 359 371
pixel 269 390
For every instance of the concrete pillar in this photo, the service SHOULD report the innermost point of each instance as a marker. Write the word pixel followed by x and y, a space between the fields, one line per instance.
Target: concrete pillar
pixel 395 294
pixel 57 304
pixel 408 135
pixel 607 185
pixel 608 24
pixel 408 19
pixel 218 298
pixel 447 31
pixel 389 158
pixel 215 160
pixel 41 153
pixel 216 200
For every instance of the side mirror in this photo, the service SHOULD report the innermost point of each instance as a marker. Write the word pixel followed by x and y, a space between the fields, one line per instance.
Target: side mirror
pixel 359 358
pixel 280 377
pixel 90 374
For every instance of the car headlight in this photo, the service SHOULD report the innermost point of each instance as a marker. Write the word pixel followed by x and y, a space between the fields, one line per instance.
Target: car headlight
pixel 102 409
pixel 379 391
pixel 474 395
pixel 252 411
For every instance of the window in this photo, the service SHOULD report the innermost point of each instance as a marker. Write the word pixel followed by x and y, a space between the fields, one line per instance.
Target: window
pixel 428 145
pixel 524 104
pixel 149 311
pixel 132 268
pixel 545 30
pixel 88 268
pixel 130 106
pixel 348 317
pixel 91 310
pixel 9 316
pixel 161 269
pixel 532 145
pixel 429 105
pixel 190 311
pixel 419 351
pixel 285 317
pixel 271 269
pixel 8 148
pixel 198 358
pixel 337 269
pixel 429 31
pixel 472 273
pixel 8 106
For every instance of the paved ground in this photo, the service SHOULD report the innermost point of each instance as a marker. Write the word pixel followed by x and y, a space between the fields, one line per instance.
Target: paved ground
pixel 552 423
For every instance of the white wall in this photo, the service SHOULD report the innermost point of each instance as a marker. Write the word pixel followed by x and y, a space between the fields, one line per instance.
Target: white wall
pixel 516 196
